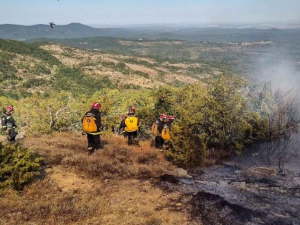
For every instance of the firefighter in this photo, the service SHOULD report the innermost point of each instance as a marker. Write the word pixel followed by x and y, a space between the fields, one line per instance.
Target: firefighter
pixel 92 126
pixel 161 122
pixel 131 125
pixel 9 124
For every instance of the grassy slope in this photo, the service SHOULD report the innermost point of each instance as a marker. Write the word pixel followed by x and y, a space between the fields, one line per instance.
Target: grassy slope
pixel 114 186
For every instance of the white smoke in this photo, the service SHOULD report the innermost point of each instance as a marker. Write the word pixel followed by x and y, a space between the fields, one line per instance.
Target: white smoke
pixel 283 73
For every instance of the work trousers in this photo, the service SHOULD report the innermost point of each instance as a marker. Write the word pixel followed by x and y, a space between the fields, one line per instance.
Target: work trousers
pixel 12 135
pixel 131 136
pixel 93 141
pixel 159 142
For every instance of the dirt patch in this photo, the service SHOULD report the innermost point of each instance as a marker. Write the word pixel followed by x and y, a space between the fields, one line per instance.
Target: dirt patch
pixel 184 79
pixel 149 43
pixel 70 181
pixel 141 68
pixel 53 47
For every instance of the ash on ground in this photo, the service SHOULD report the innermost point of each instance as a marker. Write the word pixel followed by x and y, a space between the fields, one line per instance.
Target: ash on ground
pixel 227 194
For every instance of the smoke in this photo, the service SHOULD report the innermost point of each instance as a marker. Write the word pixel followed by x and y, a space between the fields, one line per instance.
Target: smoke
pixel 282 71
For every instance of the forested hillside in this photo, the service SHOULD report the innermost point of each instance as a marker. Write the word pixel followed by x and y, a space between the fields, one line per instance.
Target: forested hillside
pixel 243 58
pixel 30 68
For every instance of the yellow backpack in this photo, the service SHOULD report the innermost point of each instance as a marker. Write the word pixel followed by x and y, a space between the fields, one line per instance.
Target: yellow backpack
pixel 131 123
pixel 89 124
pixel 155 129
pixel 165 133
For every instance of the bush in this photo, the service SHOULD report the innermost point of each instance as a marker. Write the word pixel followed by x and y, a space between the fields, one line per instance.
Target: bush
pixel 18 166
pixel 40 69
pixel 142 74
pixel 34 82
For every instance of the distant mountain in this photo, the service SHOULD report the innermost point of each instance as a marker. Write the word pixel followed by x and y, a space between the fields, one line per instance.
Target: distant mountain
pixel 208 34
pixel 73 30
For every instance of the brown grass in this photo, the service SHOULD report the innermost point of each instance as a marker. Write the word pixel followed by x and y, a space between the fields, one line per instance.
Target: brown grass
pixel 116 160
pixel 113 186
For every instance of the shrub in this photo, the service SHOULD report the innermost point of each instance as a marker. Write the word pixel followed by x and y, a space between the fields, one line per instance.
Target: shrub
pixel 142 74
pixel 34 82
pixel 40 69
pixel 18 166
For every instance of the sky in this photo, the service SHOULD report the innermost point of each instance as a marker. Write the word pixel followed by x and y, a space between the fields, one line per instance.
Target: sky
pixel 130 12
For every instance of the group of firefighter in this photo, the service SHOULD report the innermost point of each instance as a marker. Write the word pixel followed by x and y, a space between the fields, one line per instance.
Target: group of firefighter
pixel 160 128
pixel 91 121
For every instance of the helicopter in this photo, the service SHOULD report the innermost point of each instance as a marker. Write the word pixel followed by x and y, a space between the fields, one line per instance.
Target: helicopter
pixel 52 24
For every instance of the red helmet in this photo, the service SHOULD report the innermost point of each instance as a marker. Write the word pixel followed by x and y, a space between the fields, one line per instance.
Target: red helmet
pixel 163 116
pixel 9 108
pixel 131 110
pixel 170 118
pixel 96 105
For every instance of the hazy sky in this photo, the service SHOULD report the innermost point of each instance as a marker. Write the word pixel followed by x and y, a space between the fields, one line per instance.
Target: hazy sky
pixel 124 12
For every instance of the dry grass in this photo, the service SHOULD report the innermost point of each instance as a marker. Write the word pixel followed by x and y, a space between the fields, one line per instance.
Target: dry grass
pixel 116 160
pixel 113 186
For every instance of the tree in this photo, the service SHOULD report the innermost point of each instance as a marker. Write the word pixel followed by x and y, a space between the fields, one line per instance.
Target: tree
pixel 282 131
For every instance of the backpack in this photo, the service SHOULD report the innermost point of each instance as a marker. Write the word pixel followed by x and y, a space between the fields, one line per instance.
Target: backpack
pixel 155 129
pixel 89 124
pixel 131 123
pixel 165 133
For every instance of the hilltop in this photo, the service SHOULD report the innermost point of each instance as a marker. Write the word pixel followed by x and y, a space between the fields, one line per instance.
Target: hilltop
pixel 19 32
